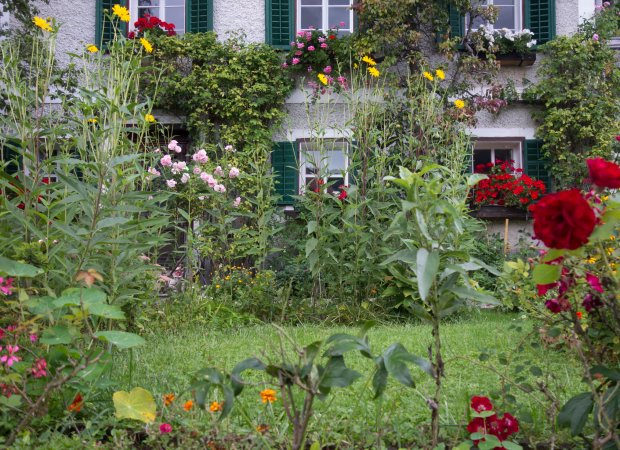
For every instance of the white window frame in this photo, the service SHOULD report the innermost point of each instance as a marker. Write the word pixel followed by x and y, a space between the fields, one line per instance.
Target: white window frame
pixel 325 25
pixel 324 148
pixel 518 23
pixel 516 148
pixel 133 11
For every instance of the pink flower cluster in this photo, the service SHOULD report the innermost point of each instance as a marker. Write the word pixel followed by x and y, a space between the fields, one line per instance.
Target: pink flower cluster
pixel 9 358
pixel 39 370
pixel 6 285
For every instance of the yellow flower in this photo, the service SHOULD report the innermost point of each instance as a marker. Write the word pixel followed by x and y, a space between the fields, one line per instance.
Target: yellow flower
pixel 460 104
pixel 92 120
pixel 227 277
pixel 428 76
pixel 92 48
pixel 268 395
pixel 188 405
pixel 605 197
pixel 440 74
pixel 373 71
pixel 355 66
pixel 42 23
pixel 368 60
pixel 150 118
pixel 322 78
pixel 612 238
pixel 148 47
pixel 592 260
pixel 168 399
pixel 121 12
pixel 610 250
pixel 217 286
pixel 215 407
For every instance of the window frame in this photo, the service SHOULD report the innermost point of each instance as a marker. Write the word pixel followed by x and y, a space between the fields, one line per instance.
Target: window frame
pixel 324 16
pixel 519 20
pixel 515 145
pixel 305 179
pixel 133 13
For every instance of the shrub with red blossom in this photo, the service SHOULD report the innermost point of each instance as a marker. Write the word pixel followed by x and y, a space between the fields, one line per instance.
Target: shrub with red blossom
pixel 154 25
pixel 487 426
pixel 506 186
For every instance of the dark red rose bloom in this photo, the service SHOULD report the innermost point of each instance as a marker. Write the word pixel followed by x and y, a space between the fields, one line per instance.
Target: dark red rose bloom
pixel 604 173
pixel 480 404
pixel 563 220
pixel 477 425
pixel 509 425
pixel 343 195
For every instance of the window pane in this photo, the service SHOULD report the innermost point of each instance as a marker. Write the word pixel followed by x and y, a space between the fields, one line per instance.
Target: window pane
pixel 505 18
pixel 336 162
pixel 504 2
pixel 503 155
pixel 311 2
pixel 175 3
pixel 337 15
pixel 148 11
pixel 339 2
pixel 482 157
pixel 334 184
pixel 176 16
pixel 311 17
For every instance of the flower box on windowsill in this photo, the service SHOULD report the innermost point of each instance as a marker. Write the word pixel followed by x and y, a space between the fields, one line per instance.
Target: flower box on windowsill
pixel 493 212
pixel 515 59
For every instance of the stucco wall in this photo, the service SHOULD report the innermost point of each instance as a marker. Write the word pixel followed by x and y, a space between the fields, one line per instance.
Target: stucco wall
pixel 245 16
pixel 519 232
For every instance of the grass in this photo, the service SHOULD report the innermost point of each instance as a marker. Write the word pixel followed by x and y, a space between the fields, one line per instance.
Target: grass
pixel 168 360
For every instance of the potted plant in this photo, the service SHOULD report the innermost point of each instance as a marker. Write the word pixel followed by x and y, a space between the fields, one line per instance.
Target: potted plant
pixel 506 193
pixel 511 48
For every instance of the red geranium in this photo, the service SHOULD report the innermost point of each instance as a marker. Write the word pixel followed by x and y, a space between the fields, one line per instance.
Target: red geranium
pixel 152 23
pixel 604 173
pixel 500 427
pixel 480 404
pixel 563 220
pixel 343 194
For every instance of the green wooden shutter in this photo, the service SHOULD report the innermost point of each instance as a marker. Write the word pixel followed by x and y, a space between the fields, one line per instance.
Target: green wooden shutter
pixel 457 22
pixel 104 31
pixel 199 16
pixel 536 166
pixel 284 165
pixel 280 27
pixel 540 19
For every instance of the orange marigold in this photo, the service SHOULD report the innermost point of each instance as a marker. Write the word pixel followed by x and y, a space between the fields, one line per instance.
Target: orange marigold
pixel 188 405
pixel 268 395
pixel 168 399
pixel 215 407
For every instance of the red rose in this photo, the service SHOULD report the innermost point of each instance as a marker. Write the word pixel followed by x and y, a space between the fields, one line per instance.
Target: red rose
pixel 480 404
pixel 604 173
pixel 343 195
pixel 563 220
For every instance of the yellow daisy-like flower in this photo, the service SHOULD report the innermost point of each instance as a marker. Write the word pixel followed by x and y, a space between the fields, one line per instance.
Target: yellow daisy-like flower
pixel 42 23
pixel 460 104
pixel 150 118
pixel 368 60
pixel 355 66
pixel 268 395
pixel 217 286
pixel 92 120
pixel 373 71
pixel 592 260
pixel 148 47
pixel 440 74
pixel 428 76
pixel 322 78
pixel 121 12
pixel 92 48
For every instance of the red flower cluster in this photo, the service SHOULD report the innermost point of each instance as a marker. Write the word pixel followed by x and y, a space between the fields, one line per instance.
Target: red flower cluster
pixel 501 428
pixel 152 23
pixel 504 187
pixel 343 193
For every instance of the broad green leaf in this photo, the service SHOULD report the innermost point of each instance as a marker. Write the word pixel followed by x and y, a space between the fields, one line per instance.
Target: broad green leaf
pixel 575 412
pixel 311 245
pixel 247 364
pixel 56 335
pixel 407 256
pixel 121 339
pixel 76 296
pixel 17 269
pixel 137 404
pixel 396 358
pixel 107 311
pixel 546 273
pixel 337 374
pixel 112 222
pixel 427 265
pixel 379 379
pixel 509 445
pixel 316 445
pixel 471 294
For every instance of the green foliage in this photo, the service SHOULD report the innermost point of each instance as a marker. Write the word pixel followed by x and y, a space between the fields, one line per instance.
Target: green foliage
pixel 578 92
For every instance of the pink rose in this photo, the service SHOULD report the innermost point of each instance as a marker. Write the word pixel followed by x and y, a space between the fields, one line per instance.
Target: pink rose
pixel 166 161
pixel 171 183
pixel 295 61
pixel 311 48
pixel 218 171
pixel 234 173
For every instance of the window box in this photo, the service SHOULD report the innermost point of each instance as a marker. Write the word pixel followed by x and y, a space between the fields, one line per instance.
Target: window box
pixel 494 212
pixel 515 59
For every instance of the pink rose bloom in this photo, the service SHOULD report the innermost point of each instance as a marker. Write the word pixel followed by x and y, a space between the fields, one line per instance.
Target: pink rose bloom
pixel 311 48
pixel 185 178
pixel 301 33
pixel 606 4
pixel 172 145
pixel 153 171
pixel 212 182
pixel 230 148
pixel 595 37
pixel 292 43
pixel 197 170
pixel 219 188
pixel 284 65
pixel 166 161
pixel 171 183
pixel 218 171
pixel 323 45
pixel 178 149
pixel 165 428
pixel 321 39
pixel 300 45
pixel 200 157
pixel 157 150
pixel 295 61
pixel 204 176
pixel 234 173
pixel 299 53
pixel 327 70
pixel 237 202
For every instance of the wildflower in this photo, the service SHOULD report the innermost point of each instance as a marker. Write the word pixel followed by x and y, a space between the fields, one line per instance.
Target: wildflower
pixel 327 70
pixel 322 78
pixel 185 178
pixel 166 161
pixel 9 359
pixel 6 284
pixel 373 72
pixel 428 76
pixel 440 74
pixel 165 428
pixel 188 405
pixel 234 173
pixel 579 315
pixel 300 45
pixel 268 395
pixel 480 404
pixel 171 183
pixel 215 407
pixel 42 23
pixel 168 399
pixel 284 65
pixel 153 171
pixel 218 171
pixel 217 286
pixel 76 404
pixel 230 148
pixel 150 118
pixel 121 12
pixel 92 48
pixel 92 120
pixel 237 202
pixel 197 170
pixel 595 37
pixel 39 368
pixel 148 47
pixel 460 104
pixel 324 45
pixel 368 60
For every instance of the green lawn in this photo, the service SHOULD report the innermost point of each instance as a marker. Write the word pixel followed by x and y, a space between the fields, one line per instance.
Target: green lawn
pixel 168 360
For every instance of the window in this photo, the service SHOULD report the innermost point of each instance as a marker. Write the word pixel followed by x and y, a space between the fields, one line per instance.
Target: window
pixel 325 164
pixel 490 152
pixel 509 15
pixel 171 11
pixel 325 14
